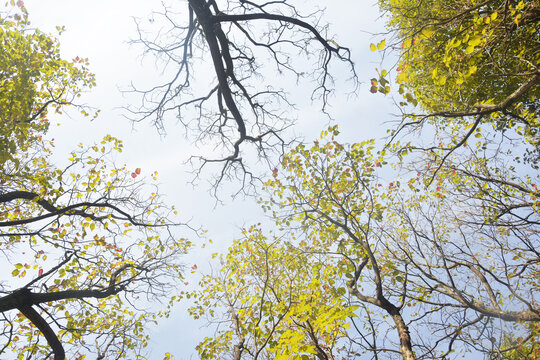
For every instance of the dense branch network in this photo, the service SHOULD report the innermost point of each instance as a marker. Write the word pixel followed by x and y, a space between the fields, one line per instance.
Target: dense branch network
pixel 467 71
pixel 80 244
pixel 243 110
pixel 98 239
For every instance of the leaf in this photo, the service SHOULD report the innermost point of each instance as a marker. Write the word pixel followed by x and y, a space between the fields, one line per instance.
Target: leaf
pixel 373 47
pixel 381 45
pixel 475 41
pixel 442 80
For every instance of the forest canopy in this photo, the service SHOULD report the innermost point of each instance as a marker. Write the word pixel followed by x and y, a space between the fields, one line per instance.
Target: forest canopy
pixel 420 245
pixel 438 261
pixel 81 244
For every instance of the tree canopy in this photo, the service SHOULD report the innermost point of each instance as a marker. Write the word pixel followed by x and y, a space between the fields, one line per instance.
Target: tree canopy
pixel 34 79
pixel 411 261
pixel 422 245
pixel 469 65
pixel 83 243
pixel 441 260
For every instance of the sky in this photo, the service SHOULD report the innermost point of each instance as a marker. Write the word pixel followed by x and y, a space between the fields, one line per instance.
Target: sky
pixel 101 30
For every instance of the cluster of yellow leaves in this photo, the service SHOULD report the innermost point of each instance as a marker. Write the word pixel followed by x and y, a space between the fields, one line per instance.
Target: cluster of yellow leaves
pixel 92 225
pixel 99 246
pixel 34 78
pixel 277 298
pixel 456 56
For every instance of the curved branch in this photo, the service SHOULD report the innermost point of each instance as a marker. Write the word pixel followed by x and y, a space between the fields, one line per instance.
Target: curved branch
pixel 26 297
pixel 54 211
pixel 288 19
pixel 43 326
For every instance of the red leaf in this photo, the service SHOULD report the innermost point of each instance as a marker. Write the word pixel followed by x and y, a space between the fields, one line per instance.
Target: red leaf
pixel 137 171
pixel 40 272
pixel 133 175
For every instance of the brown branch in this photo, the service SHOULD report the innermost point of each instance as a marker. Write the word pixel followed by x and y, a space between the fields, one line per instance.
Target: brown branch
pixel 54 211
pixel 522 90
pixel 457 146
pixel 26 195
pixel 25 297
pixel 31 314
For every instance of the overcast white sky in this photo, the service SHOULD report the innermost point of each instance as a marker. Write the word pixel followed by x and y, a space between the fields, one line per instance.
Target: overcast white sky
pixel 101 29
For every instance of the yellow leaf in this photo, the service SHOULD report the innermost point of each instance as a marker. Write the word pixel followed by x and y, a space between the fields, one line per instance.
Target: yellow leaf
pixel 380 45
pixel 475 41
pixel 372 47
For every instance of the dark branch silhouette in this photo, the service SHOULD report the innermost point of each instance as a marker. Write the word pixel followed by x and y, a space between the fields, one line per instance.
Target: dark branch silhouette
pixel 238 109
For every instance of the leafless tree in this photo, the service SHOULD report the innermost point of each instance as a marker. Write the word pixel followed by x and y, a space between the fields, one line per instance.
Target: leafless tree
pixel 242 105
